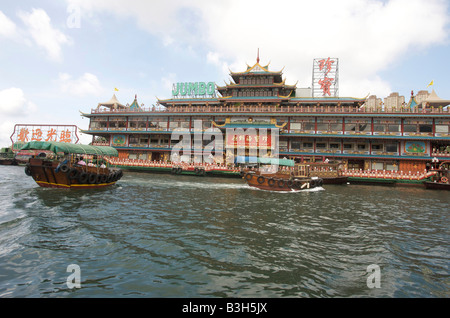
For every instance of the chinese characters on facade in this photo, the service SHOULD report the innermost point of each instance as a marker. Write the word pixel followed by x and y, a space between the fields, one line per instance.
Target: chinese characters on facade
pixel 325 75
pixel 26 133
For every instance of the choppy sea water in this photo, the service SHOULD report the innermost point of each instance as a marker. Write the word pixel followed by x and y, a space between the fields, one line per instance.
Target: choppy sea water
pixel 156 235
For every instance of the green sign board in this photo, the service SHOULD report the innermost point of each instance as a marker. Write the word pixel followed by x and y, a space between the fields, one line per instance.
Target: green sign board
pixel 194 89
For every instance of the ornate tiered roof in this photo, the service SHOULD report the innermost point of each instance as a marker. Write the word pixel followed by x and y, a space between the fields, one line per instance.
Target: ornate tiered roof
pixel 112 103
pixel 135 105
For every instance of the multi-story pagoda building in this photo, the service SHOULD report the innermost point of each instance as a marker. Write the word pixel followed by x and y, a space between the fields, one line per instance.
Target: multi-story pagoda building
pixel 363 133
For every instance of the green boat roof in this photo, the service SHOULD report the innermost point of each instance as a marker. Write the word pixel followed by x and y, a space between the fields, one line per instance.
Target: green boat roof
pixel 276 161
pixel 70 148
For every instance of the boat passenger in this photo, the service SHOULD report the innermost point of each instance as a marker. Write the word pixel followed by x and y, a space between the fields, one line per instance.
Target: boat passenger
pixel 81 162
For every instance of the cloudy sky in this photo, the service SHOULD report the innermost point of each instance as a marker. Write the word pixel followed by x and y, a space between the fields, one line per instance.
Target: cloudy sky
pixel 58 58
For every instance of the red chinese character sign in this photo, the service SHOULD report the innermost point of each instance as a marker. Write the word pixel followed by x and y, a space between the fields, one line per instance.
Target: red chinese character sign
pixel 325 77
pixel 61 133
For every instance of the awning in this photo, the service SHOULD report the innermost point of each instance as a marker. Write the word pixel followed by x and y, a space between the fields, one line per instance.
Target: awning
pixel 243 159
pixel 70 148
pixel 277 161
pixel 265 161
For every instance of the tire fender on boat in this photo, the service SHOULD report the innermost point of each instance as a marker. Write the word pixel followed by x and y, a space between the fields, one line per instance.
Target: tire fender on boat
pixel 248 176
pixel 73 173
pixel 271 182
pixel 64 168
pixel 28 170
pixel 260 179
pixel 110 177
pixel 281 183
pixel 92 179
pixel 83 177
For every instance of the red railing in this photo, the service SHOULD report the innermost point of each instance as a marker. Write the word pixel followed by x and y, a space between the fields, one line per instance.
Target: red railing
pixel 163 164
pixel 275 109
pixel 386 174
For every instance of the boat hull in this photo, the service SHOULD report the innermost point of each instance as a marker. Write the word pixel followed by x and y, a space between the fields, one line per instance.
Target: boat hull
pixel 436 185
pixel 280 182
pixel 8 162
pixel 335 180
pixel 46 174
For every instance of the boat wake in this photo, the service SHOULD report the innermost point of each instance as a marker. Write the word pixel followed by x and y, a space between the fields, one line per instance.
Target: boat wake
pixel 316 189
pixel 182 184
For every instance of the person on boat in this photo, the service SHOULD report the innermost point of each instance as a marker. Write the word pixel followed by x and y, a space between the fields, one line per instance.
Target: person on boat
pixel 81 162
pixel 103 165
pixel 90 164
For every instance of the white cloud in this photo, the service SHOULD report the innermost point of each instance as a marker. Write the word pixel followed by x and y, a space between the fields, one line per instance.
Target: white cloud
pixel 6 130
pixel 368 36
pixel 13 103
pixel 7 27
pixel 168 81
pixel 87 84
pixel 216 59
pixel 39 27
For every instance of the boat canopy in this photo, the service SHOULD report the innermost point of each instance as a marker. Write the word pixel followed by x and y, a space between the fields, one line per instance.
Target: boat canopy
pixel 70 148
pixel 265 161
pixel 277 161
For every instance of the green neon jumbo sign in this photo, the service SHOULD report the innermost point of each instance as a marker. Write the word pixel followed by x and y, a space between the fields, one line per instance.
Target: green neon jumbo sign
pixel 194 89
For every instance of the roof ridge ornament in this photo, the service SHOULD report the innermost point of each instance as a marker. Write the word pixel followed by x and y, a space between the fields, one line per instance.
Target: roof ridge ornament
pixel 257 57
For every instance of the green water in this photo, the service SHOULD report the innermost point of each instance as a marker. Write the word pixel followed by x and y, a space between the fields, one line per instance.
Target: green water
pixel 155 235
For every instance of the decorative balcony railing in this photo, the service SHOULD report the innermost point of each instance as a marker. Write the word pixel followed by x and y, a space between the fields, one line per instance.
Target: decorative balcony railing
pixel 373 174
pixel 346 109
pixel 387 174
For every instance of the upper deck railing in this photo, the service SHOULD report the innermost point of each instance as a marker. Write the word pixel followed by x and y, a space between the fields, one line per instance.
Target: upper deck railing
pixel 277 109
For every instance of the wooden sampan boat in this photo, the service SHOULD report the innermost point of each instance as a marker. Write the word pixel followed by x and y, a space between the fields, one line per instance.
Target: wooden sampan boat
pixel 50 172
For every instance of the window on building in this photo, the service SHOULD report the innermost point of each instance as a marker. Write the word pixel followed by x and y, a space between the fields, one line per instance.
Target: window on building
pixel 309 126
pixel 377 166
pixel 364 127
pixel 394 128
pixel 350 127
pixel 348 146
pixel 378 128
pixel 296 144
pixel 425 128
pixel 362 146
pixel 442 129
pixel 409 128
pixel 321 145
pixel 391 147
pixel 336 127
pixel 335 146
pixel 377 147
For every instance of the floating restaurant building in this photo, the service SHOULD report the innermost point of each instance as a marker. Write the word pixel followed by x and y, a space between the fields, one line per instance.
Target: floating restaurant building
pixel 363 133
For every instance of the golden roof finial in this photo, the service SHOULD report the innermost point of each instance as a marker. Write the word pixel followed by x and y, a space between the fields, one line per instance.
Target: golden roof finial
pixel 257 58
